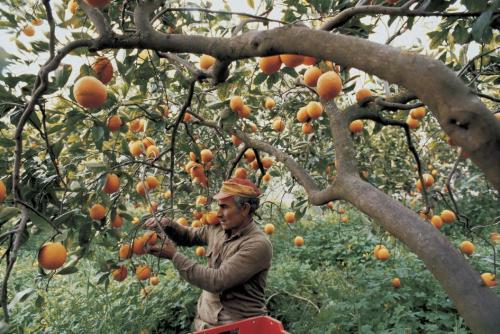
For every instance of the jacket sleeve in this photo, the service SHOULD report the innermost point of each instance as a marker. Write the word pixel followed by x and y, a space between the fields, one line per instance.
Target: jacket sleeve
pixel 250 259
pixel 187 236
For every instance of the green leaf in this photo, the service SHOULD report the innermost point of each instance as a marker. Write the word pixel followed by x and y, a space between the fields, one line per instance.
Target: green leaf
pixel 6 142
pixel 21 296
pixel 251 4
pixel 7 213
pixel 67 271
pixel 62 75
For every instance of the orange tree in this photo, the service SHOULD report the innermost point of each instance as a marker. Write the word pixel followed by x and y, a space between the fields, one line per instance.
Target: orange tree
pixel 142 122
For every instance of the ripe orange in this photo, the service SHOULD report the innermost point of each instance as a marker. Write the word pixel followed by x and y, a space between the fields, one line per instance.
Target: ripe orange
pixel 154 280
pixel 266 178
pixel 270 64
pixel 103 69
pixel 72 6
pixel 119 274
pixel 437 222
pixel 291 60
pixel 249 155
pixel 3 191
pixel 182 221
pixel 152 152
pixel 187 118
pixel 278 125
pixel 290 217
pixel 240 173
pixel 151 237
pixel 311 76
pixel 114 123
pixel 383 254
pixel 235 140
pixel 211 218
pixel 117 221
pixel 112 183
pixel 356 126
pixel 167 194
pixel 269 103
pixel 98 3
pixel 206 62
pixel 467 247
pixel 302 115
pixel 148 141
pixel 329 85
pixel 307 128
pixel 52 255
pixel 488 279
pixel 89 92
pixel 377 249
pixel 254 165
pixel 395 282
pixel 28 30
pixel 201 200
pixel 245 111
pixel 125 252
pixel 269 229
pixel 136 125
pixel 314 109
pixel 200 251
pixel 309 60
pixel 344 219
pixel 36 21
pixel 236 103
pixel 206 155
pixel 139 245
pixel 418 113
pixel 298 241
pixel 151 181
pixel 428 180
pixel 141 188
pixel 97 212
pixel 143 272
pixel 448 216
pixel 196 223
pixel 267 162
pixel 153 206
pixel 329 205
pixel 362 94
pixel 197 170
pixel 135 148
pixel 412 122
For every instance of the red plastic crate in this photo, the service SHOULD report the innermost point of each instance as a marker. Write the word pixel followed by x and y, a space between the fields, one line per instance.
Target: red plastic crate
pixel 256 325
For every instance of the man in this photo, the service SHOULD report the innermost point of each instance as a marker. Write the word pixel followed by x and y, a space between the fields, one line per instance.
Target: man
pixel 239 257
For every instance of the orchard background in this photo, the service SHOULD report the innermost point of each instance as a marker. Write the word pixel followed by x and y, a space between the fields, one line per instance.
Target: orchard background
pixel 379 164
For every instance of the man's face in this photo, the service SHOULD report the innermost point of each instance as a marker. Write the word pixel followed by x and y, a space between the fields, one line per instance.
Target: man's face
pixel 229 215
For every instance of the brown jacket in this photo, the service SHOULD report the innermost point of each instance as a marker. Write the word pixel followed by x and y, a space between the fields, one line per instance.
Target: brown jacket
pixel 235 279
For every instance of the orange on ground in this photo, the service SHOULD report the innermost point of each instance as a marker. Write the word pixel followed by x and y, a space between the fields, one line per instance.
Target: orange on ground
pixel 235 140
pixel 143 272
pixel 467 247
pixel 307 128
pixel 448 216
pixel 148 141
pixel 136 125
pixel 119 274
pixel 362 94
pixel 267 162
pixel 314 109
pixel 206 61
pixel 206 155
pixel 312 75
pixel 97 212
pixel 356 126
pixel 269 103
pixel 278 125
pixel 141 188
pixel 117 221
pixel 114 123
pixel 291 60
pixel 266 178
pixel 89 92
pixel 298 241
pixel 240 173
pixel 200 251
pixel 154 280
pixel 125 252
pixel 329 85
pixel 269 229
pixel 249 155
pixel 135 148
pixel 270 64
pixel 418 113
pixel 436 221
pixel 395 282
pixel 52 255
pixel 412 122
pixel 236 103
pixel 112 183
pixel 152 152
pixel 302 115
pixel 290 217
pixel 309 60
pixel 488 279
pixel 3 191
pixel 103 69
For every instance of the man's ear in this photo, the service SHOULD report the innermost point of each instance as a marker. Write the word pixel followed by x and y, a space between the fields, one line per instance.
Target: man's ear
pixel 246 208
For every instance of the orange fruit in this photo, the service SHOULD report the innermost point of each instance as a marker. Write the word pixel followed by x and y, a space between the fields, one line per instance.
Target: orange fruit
pixel 307 128
pixel 249 155
pixel 3 191
pixel 291 60
pixel 418 113
pixel 240 173
pixel 135 148
pixel 141 188
pixel 412 122
pixel 428 180
pixel 448 216
pixel 139 245
pixel 396 282
pixel 329 85
pixel 143 272
pixel 136 221
pixel 245 111
pixel 314 109
pixel 28 30
pixel 72 6
pixel 197 214
pixel 196 223
pixel 89 92
pixel 309 60
pixel 152 152
pixel 267 162
pixel 167 194
pixel 201 200
pixel 312 75
pixel 103 69
pixel 97 212
pixel 269 103
pixel 298 241
pixel 383 254
pixel 362 94
pixel 341 211
pixel 182 221
pixel 98 3
pixel 153 206
pixel 151 237
pixel 200 251
pixel 377 249
pixel 112 183
pixel 290 217
pixel 235 140
pixel 52 255
pixel 125 252
pixel 488 279
pixel 117 221
pixel 495 237
pixel 254 165
pixel 206 62
pixel 344 219
pixel 136 125
pixel 236 103
pixel 302 115
pixel 270 64
pixel 206 155
pixel 148 141
pixel 151 181
pixel 197 170
pixel 329 205
pixel 266 178
pixel 356 126
pixel 187 118
pixel 436 221
pixel 269 229
pixel 119 274
pixel 154 280
pixel 278 125
pixel 467 247
pixel 211 218
pixel 36 21
pixel 114 123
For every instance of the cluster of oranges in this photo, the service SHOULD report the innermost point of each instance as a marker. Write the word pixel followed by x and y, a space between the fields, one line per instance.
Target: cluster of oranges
pixel 196 167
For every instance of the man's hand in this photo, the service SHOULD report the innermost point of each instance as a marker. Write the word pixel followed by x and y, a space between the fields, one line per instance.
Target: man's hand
pixel 151 224
pixel 164 249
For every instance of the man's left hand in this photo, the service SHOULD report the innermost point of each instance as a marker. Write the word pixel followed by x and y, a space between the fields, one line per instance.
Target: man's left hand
pixel 164 249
